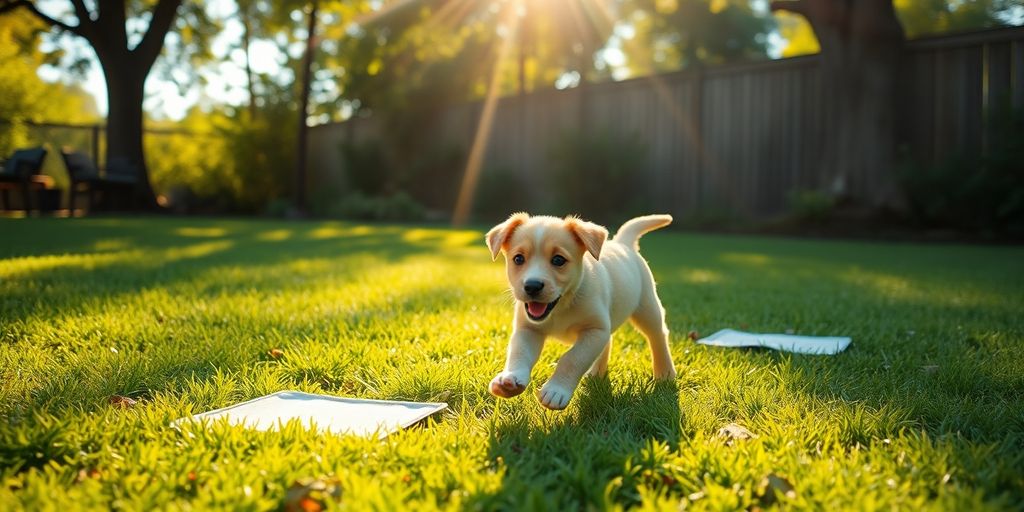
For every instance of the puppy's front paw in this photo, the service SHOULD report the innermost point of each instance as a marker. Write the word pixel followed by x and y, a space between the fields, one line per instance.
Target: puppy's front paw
pixel 507 385
pixel 667 373
pixel 554 396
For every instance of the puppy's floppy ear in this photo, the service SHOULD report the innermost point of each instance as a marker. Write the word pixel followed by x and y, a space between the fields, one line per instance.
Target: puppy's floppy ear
pixel 499 235
pixel 589 234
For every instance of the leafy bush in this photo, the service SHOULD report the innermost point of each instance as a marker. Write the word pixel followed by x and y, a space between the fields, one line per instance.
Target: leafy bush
pixel 431 176
pixel 984 192
pixel 225 161
pixel 594 173
pixel 811 205
pixel 263 156
pixel 396 207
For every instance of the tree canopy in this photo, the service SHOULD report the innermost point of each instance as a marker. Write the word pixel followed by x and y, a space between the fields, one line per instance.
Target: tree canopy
pixel 26 97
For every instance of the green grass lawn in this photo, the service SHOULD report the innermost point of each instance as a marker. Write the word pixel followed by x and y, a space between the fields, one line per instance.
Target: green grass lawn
pixel 925 409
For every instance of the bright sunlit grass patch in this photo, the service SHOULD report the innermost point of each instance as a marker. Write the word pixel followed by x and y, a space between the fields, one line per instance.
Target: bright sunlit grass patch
pixel 924 410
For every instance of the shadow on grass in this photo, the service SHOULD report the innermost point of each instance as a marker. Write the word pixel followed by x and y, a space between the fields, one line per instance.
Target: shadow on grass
pixel 189 259
pixel 572 457
pixel 111 258
pixel 86 383
pixel 936 336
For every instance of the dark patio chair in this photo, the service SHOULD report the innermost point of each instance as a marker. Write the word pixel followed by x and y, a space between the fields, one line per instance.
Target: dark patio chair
pixel 119 179
pixel 22 171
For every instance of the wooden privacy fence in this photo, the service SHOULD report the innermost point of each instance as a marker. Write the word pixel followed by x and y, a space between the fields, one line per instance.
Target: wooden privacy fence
pixel 737 138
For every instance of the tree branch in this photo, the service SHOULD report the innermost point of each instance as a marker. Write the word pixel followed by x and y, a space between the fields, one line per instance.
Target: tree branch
pixel 163 15
pixel 82 12
pixel 10 6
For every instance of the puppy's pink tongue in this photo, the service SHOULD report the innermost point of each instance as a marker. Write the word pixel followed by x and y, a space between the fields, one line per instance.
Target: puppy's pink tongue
pixel 536 308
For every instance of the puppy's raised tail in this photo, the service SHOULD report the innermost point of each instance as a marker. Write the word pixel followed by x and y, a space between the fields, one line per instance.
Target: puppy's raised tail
pixel 630 232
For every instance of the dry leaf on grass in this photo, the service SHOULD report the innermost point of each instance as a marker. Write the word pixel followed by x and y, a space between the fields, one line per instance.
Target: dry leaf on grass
pixel 84 475
pixel 122 402
pixel 692 335
pixel 275 353
pixel 733 432
pixel 312 494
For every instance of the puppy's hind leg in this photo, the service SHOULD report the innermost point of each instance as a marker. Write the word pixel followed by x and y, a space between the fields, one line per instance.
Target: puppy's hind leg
pixel 649 319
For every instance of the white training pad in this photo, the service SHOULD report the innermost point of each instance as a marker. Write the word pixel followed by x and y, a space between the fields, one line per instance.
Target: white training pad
pixel 330 414
pixel 820 345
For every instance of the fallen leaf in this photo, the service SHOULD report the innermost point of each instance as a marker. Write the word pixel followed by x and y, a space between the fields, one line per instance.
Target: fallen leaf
pixel 122 402
pixel 733 432
pixel 85 475
pixel 693 335
pixel 311 494
pixel 310 505
pixel 772 486
pixel 276 353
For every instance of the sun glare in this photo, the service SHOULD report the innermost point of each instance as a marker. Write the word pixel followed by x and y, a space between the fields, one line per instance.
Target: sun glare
pixel 467 190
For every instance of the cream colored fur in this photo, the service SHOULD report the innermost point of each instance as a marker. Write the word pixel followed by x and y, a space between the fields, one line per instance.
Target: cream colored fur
pixel 600 286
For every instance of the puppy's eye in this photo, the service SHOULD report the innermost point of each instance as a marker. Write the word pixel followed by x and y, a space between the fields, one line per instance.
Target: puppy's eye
pixel 557 260
pixel 518 259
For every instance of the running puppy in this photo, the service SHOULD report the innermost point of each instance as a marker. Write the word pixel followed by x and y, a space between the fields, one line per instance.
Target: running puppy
pixel 570 284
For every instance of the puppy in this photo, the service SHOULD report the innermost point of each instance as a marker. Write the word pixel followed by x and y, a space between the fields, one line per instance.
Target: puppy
pixel 572 285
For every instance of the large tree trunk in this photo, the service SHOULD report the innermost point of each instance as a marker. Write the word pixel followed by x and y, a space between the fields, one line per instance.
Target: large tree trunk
pixel 103 25
pixel 125 94
pixel 861 48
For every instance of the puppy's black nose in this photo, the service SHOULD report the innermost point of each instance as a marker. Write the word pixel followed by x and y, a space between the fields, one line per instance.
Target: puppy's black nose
pixel 533 287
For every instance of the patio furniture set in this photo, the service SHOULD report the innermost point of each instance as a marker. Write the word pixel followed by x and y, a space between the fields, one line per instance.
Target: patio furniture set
pixel 22 174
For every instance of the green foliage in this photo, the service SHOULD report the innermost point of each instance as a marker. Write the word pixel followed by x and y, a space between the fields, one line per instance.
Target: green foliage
pixel 377 169
pixel 596 173
pixel 224 161
pixel 922 412
pixel 674 34
pixel 263 156
pixel 26 97
pixel 922 18
pixel 984 192
pixel 811 205
pixel 399 206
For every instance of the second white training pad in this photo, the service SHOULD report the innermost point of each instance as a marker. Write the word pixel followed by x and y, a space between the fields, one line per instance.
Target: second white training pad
pixel 331 414
pixel 821 345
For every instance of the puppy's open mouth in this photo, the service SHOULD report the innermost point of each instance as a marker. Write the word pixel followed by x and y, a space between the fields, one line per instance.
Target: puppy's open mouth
pixel 538 311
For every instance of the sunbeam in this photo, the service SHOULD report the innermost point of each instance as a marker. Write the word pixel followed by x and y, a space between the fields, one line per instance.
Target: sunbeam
pixel 467 191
